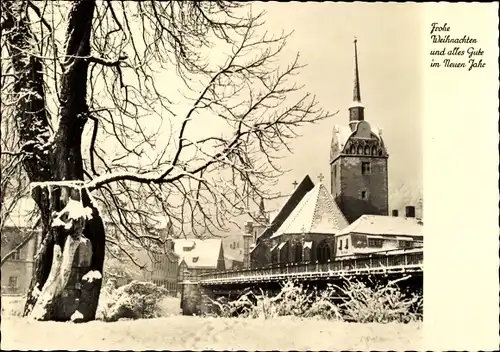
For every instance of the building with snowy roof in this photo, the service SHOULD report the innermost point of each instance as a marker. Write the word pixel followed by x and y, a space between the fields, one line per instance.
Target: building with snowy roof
pixel 372 234
pixel 303 230
pixel 197 257
pixel 352 218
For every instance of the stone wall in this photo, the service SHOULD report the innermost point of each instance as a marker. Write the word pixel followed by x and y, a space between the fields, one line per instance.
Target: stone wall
pixel 353 183
pixel 261 255
pixel 190 298
pixel 196 299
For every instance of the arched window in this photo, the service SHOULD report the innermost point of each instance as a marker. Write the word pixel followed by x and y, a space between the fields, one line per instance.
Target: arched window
pixel 353 150
pixel 323 252
pixel 360 150
pixel 367 150
pixel 374 150
pixel 380 152
pixel 297 257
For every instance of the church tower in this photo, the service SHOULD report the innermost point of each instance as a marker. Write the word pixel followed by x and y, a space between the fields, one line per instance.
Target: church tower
pixel 358 161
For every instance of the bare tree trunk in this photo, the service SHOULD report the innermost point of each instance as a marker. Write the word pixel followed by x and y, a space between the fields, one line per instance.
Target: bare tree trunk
pixel 32 121
pixel 60 161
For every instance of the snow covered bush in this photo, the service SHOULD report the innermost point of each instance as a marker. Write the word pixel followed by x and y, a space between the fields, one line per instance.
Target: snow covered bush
pixel 136 300
pixel 355 301
pixel 380 304
pixel 223 308
pixel 291 300
pixel 324 306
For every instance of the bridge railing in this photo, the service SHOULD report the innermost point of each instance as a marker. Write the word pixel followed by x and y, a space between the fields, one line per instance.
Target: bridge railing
pixel 403 259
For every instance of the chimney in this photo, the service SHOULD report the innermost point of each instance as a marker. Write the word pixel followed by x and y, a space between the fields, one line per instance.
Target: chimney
pixel 249 227
pixel 410 211
pixel 247 238
pixel 395 212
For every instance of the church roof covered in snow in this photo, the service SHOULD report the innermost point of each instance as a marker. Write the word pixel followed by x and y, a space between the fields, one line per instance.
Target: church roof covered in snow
pixel 385 225
pixel 291 203
pixel 317 212
pixel 198 253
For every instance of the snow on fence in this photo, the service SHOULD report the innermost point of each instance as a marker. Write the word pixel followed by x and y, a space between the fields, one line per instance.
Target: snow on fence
pixel 409 261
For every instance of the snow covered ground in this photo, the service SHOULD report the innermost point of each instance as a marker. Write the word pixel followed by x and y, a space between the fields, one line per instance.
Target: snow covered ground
pixel 194 333
pixel 177 332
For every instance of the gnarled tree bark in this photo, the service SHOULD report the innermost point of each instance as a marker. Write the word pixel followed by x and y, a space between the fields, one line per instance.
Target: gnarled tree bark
pixel 48 162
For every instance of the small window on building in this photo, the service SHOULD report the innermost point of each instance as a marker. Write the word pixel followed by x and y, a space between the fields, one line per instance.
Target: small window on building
pixel 404 244
pixel 380 153
pixel 340 244
pixel 367 150
pixel 353 150
pixel 374 242
pixel 366 168
pixel 346 243
pixel 364 195
pixel 360 150
pixel 13 281
pixel 195 259
pixel 374 151
pixel 16 255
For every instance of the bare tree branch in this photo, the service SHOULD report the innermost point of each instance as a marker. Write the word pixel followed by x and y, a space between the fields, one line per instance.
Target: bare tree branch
pixel 23 242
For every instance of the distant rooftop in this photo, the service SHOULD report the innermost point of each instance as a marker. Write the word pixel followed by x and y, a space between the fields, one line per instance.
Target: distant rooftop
pixel 385 225
pixel 198 253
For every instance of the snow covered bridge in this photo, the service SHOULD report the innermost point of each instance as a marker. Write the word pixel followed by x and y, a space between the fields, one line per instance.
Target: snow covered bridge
pixel 393 262
pixel 196 296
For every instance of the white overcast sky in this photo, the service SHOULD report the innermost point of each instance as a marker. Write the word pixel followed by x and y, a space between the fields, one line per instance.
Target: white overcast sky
pixel 390 64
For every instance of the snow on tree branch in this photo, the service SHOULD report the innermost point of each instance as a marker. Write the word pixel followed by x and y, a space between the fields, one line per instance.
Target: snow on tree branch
pixel 192 108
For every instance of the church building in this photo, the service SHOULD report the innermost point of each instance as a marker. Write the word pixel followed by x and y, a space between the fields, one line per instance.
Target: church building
pixel 358 162
pixel 316 225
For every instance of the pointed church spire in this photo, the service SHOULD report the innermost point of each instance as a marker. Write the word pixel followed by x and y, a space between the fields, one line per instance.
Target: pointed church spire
pixel 356 111
pixel 262 209
pixel 356 93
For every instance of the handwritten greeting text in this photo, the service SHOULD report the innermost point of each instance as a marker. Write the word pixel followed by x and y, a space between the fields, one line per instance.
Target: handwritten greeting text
pixel 454 52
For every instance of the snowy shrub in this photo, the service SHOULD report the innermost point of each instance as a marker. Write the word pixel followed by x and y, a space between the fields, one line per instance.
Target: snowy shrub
pixel 355 301
pixel 105 298
pixel 291 300
pixel 136 300
pixel 242 307
pixel 323 306
pixel 170 306
pixel 379 304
